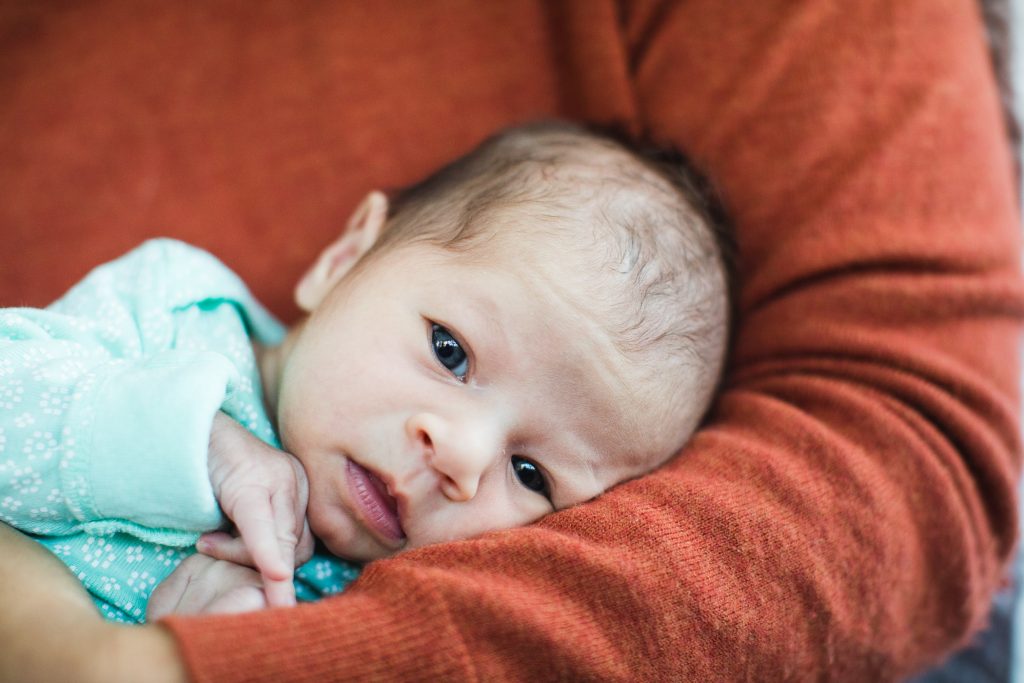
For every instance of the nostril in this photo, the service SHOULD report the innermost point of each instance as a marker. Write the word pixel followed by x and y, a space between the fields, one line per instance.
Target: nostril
pixel 425 438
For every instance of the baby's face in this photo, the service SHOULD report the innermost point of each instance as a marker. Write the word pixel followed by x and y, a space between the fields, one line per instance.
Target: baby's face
pixel 434 397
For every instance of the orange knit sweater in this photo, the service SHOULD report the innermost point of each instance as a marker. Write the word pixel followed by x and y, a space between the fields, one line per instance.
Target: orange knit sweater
pixel 849 508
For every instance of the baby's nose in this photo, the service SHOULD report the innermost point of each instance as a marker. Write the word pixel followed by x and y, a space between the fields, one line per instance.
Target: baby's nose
pixel 459 450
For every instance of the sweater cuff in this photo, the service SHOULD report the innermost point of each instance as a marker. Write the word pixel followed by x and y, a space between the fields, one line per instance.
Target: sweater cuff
pixel 138 456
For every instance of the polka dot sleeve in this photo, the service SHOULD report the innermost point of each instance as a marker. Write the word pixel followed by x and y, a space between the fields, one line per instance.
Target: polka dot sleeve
pixel 106 398
pixel 92 442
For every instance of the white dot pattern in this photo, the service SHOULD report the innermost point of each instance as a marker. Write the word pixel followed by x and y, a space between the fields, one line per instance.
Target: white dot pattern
pixel 163 296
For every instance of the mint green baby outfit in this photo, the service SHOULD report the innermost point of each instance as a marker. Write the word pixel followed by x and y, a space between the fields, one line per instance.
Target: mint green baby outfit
pixel 106 402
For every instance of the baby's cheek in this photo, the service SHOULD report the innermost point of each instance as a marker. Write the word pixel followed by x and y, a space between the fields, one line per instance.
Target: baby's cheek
pixel 469 522
pixel 342 536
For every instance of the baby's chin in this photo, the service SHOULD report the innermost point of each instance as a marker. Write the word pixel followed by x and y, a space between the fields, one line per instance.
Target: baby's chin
pixel 354 548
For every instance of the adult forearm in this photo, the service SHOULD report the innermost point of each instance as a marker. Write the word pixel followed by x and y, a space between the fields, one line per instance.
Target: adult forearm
pixel 50 630
pixel 871 409
pixel 46 617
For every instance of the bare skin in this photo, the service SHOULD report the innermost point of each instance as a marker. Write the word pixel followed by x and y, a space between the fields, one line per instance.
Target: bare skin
pixel 471 429
pixel 37 590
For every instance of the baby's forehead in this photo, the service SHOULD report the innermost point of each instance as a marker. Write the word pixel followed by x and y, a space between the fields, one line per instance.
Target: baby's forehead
pixel 563 254
pixel 570 220
pixel 565 309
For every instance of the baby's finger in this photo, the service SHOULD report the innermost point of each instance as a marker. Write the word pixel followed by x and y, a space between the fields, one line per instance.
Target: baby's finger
pixel 289 527
pixel 221 545
pixel 256 523
pixel 279 593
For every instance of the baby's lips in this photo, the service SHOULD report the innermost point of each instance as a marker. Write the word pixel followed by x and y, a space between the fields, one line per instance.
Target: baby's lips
pixel 378 509
pixel 384 490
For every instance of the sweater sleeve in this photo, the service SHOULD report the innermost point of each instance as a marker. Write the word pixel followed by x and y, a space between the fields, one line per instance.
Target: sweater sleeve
pixel 865 454
pixel 99 434
pixel 849 508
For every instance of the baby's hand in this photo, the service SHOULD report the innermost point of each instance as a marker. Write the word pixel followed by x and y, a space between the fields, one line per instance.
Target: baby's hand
pixel 203 585
pixel 264 492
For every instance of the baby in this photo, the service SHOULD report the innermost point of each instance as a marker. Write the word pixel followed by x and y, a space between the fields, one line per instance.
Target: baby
pixel 534 323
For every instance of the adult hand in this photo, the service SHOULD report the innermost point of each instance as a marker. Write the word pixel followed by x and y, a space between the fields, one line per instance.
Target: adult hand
pixel 263 491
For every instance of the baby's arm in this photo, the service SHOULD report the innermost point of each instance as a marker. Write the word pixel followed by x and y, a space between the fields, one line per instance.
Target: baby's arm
pixel 104 428
pixel 100 439
pixel 104 424
pixel 102 445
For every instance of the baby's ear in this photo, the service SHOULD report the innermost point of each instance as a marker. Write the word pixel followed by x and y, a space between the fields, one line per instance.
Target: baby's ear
pixel 362 231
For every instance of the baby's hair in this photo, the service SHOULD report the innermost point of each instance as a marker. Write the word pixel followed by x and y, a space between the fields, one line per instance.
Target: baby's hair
pixel 661 231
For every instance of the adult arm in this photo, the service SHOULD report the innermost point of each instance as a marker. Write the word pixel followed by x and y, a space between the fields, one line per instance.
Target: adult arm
pixel 51 631
pixel 850 507
pixel 868 165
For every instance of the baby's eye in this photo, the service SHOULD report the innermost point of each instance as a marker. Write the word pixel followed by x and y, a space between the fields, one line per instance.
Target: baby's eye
pixel 530 476
pixel 449 352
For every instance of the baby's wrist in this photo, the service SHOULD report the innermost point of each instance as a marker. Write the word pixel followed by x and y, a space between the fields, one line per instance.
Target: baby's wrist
pixel 222 447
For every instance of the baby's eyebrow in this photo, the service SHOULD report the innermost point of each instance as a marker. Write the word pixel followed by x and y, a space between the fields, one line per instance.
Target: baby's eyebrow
pixel 486 327
pixel 485 305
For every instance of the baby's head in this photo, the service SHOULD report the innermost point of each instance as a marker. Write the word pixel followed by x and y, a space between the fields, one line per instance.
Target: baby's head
pixel 534 323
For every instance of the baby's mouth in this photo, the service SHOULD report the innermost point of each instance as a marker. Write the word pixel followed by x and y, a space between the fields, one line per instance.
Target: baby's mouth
pixel 377 507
